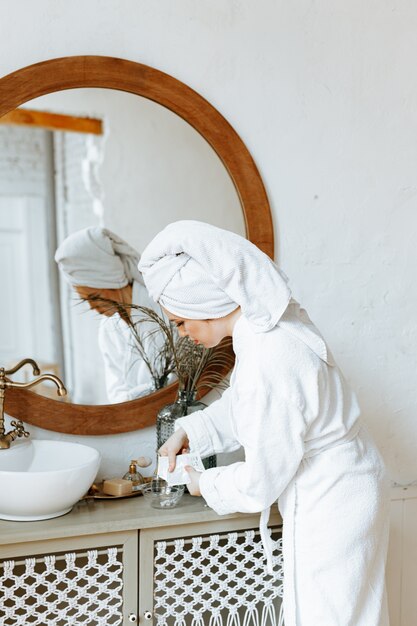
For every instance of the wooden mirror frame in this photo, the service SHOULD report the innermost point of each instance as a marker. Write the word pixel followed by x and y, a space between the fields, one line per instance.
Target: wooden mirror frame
pixel 112 73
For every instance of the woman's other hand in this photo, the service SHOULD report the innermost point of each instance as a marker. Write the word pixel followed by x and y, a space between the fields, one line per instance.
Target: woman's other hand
pixel 193 486
pixel 177 443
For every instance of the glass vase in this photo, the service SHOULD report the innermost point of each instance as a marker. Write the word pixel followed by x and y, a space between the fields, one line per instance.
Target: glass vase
pixel 185 404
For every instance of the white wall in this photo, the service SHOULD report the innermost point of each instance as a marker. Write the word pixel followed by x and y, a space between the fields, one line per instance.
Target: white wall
pixel 155 167
pixel 324 94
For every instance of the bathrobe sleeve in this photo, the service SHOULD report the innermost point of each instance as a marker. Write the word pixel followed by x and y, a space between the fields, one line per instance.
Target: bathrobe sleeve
pixel 210 431
pixel 268 405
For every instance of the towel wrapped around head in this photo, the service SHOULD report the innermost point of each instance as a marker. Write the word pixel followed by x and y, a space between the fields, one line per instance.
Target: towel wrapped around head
pixel 198 271
pixel 96 257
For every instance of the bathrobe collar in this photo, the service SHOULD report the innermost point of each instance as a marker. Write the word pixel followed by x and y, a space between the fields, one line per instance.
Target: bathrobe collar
pixel 296 322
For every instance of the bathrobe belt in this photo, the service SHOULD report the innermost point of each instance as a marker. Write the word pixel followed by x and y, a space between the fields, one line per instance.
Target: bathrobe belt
pixel 267 543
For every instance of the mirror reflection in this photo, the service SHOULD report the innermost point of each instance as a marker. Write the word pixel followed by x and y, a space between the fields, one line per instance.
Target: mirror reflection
pixel 103 270
pixel 137 168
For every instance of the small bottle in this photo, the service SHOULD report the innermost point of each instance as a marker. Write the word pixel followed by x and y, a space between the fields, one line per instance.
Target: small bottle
pixel 133 475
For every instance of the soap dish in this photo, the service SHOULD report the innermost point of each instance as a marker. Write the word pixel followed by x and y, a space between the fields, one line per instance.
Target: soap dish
pixel 95 493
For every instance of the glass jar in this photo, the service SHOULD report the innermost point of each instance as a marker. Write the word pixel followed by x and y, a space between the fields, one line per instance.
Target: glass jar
pixel 185 404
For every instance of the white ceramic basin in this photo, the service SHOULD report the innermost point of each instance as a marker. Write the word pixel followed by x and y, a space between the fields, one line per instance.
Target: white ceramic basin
pixel 40 479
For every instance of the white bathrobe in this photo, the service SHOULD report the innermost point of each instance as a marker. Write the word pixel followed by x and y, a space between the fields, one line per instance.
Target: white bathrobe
pixel 290 408
pixel 126 373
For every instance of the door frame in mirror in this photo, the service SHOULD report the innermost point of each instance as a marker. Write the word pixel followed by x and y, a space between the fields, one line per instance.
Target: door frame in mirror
pixel 75 72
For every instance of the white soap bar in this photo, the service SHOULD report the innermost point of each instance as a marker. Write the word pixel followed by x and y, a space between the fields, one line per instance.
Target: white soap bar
pixel 179 476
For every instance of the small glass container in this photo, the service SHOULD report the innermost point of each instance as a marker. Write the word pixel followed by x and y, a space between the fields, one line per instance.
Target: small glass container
pixel 161 495
pixel 133 475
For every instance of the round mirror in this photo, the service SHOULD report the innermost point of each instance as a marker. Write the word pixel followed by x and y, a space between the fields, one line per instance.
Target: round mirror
pixel 103 157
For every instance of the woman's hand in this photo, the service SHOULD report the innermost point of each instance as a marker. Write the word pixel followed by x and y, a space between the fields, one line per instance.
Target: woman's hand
pixel 194 486
pixel 177 443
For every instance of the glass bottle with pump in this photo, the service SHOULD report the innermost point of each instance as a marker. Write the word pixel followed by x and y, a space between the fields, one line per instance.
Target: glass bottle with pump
pixel 133 475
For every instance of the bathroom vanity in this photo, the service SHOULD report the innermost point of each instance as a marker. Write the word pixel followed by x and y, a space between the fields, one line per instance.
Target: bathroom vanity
pixel 122 562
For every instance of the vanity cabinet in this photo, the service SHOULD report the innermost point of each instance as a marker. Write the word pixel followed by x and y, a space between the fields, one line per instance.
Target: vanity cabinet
pixel 183 567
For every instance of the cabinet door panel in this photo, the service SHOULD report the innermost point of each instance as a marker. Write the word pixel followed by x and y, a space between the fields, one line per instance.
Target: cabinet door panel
pixel 204 575
pixel 409 574
pixel 86 580
pixel 394 562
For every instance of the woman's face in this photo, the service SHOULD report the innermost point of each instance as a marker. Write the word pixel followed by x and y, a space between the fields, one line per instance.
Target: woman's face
pixel 207 332
pixel 123 295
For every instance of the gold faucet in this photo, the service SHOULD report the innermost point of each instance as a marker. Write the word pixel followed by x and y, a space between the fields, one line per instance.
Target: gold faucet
pixel 5 383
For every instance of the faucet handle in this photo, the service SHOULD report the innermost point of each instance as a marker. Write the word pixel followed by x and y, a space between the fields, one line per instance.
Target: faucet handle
pixel 16 368
pixel 19 428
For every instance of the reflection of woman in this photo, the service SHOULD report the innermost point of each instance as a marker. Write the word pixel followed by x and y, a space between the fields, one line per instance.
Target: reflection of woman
pixel 95 261
pixel 290 408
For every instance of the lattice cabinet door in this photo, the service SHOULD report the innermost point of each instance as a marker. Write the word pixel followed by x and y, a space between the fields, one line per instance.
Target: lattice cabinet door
pixel 77 581
pixel 209 574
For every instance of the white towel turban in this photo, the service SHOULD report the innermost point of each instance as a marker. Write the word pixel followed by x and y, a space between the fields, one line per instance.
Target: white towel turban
pixel 199 271
pixel 96 257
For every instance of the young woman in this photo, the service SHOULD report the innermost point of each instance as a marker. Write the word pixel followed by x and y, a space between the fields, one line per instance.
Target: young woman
pixel 290 408
pixel 95 261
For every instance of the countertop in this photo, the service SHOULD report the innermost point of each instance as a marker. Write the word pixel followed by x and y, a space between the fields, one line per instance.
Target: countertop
pixel 91 517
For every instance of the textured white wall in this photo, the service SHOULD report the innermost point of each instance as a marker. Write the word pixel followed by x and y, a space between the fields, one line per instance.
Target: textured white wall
pixel 22 161
pixel 155 166
pixel 324 95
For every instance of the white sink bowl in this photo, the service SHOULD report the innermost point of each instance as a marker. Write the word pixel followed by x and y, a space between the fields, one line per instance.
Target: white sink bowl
pixel 40 479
